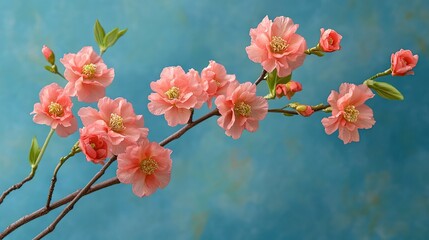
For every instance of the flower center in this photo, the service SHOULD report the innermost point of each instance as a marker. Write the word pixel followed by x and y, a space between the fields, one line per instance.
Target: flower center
pixel 330 41
pixel 89 70
pixel 243 109
pixel 351 114
pixel 278 44
pixel 173 93
pixel 116 122
pixel 148 166
pixel 55 109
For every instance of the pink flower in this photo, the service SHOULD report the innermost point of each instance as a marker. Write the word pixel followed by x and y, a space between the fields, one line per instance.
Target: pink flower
pixel 240 109
pixel 329 40
pixel 403 62
pixel 55 110
pixel 147 166
pixel 304 110
pixel 276 46
pixel 123 126
pixel 175 94
pixel 87 74
pixel 94 142
pixel 49 55
pixel 349 113
pixel 289 89
pixel 215 80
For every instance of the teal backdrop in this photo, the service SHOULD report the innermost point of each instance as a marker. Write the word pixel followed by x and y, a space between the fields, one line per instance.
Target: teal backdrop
pixel 289 180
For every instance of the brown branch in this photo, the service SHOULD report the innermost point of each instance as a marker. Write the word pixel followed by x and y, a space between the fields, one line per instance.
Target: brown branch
pixel 16 186
pixel 316 108
pixel 69 207
pixel 43 211
pixel 261 77
pixel 188 126
pixel 75 149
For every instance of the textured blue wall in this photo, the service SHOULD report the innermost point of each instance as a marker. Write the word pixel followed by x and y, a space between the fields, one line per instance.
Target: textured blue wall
pixel 287 181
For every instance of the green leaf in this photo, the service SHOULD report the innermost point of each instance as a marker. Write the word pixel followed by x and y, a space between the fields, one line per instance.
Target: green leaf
pixel 99 33
pixel 111 38
pixel 273 80
pixel 385 90
pixel 34 151
pixel 122 32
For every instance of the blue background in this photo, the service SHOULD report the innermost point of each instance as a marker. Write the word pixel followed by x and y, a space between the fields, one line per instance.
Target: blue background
pixel 289 180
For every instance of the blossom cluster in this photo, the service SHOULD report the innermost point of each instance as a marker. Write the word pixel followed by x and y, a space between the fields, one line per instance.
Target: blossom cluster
pixel 114 129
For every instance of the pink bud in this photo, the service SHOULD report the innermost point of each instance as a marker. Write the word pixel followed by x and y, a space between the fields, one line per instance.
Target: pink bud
pixel 288 89
pixel 304 110
pixel 329 40
pixel 49 55
pixel 403 62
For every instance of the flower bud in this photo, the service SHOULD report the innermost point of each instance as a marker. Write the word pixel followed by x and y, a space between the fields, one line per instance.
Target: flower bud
pixel 329 40
pixel 304 110
pixel 288 89
pixel 49 55
pixel 403 62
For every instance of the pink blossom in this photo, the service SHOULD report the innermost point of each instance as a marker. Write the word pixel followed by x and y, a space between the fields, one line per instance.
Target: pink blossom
pixel 147 166
pixel 175 94
pixel 215 80
pixel 349 113
pixel 403 62
pixel 48 54
pixel 288 89
pixel 276 46
pixel 123 126
pixel 240 109
pixel 87 75
pixel 304 110
pixel 329 40
pixel 55 110
pixel 94 142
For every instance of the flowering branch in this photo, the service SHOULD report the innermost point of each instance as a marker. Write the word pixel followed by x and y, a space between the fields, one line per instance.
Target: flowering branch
pixel 115 132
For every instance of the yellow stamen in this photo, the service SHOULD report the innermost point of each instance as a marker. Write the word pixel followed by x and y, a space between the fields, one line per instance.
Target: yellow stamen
pixel 278 44
pixel 89 70
pixel 55 109
pixel 351 114
pixel 243 109
pixel 148 166
pixel 116 122
pixel 173 93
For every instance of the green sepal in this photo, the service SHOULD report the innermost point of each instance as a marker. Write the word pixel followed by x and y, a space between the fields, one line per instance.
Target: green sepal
pixel 34 152
pixel 52 69
pixel 288 114
pixel 99 34
pixel 273 80
pixel 385 90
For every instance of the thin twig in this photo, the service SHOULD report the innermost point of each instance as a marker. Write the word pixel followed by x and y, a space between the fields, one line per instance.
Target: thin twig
pixel 16 186
pixel 75 149
pixel 69 207
pixel 261 77
pixel 188 126
pixel 33 167
pixel 43 211
pixel 316 108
